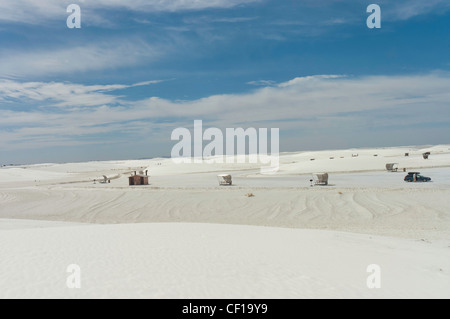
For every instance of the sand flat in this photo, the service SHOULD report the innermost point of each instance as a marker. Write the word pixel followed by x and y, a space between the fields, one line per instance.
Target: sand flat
pixel 179 260
pixel 288 240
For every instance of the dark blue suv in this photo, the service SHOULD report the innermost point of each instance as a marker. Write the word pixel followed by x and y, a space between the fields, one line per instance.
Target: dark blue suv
pixel 416 177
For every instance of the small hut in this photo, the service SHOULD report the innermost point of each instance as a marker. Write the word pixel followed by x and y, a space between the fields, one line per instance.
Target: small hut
pixel 224 179
pixel 320 178
pixel 138 179
pixel 392 167
pixel 426 155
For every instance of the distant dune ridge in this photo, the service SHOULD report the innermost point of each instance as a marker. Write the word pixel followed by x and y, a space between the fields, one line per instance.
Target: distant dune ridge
pixel 184 236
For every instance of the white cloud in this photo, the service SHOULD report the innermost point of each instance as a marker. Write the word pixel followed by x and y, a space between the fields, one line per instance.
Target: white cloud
pixel 91 57
pixel 45 11
pixel 29 11
pixel 213 19
pixel 262 83
pixel 319 105
pixel 404 10
pixel 34 12
pixel 56 94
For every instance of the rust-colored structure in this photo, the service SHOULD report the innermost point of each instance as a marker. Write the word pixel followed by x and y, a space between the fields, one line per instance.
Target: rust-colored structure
pixel 138 179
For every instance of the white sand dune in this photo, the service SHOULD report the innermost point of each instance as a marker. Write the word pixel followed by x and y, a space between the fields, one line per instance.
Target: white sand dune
pixel 217 261
pixel 185 236
pixel 415 213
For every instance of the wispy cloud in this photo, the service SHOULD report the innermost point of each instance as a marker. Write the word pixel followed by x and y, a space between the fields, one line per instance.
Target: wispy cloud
pixel 311 14
pixel 34 12
pixel 329 104
pixel 262 83
pixel 208 19
pixel 91 57
pixel 404 10
pixel 56 94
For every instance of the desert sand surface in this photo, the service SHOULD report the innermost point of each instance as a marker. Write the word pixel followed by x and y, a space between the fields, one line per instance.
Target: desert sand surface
pixel 266 236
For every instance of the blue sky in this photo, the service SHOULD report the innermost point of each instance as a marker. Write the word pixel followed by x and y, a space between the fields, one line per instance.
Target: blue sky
pixel 117 87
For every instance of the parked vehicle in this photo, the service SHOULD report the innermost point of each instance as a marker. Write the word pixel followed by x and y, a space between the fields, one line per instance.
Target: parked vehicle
pixel 416 177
